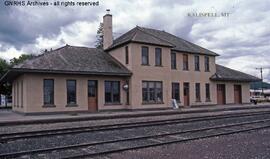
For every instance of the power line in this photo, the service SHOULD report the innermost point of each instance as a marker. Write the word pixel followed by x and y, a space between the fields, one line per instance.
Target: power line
pixel 261 71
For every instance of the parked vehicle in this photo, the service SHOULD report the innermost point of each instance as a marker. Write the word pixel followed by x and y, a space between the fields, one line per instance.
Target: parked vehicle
pixel 258 99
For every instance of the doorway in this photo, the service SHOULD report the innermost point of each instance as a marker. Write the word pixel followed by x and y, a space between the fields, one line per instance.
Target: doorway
pixel 221 97
pixel 92 95
pixel 237 94
pixel 186 94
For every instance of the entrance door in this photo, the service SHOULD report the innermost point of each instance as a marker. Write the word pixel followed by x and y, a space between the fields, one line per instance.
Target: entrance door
pixel 237 94
pixel 221 94
pixel 92 95
pixel 186 94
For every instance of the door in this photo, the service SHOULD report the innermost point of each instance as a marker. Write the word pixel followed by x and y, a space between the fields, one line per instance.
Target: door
pixel 92 95
pixel 237 94
pixel 221 94
pixel 186 94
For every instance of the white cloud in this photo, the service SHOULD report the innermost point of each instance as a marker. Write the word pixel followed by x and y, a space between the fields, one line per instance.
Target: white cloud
pixel 10 53
pixel 248 64
pixel 78 33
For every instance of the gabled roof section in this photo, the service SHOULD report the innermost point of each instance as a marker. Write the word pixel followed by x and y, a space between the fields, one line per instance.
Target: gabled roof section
pixel 226 74
pixel 72 60
pixel 179 43
pixel 158 37
pixel 138 35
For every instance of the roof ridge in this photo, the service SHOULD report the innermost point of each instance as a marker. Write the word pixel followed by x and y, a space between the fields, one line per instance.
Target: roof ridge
pixel 234 70
pixel 141 29
pixel 134 36
pixel 166 32
pixel 246 74
pixel 39 56
pixel 126 33
pixel 178 38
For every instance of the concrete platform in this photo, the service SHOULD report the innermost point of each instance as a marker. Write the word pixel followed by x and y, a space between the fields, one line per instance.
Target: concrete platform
pixel 7 117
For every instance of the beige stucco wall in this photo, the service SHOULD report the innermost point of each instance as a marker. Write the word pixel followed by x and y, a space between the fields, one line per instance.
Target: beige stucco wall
pixel 164 74
pixel 229 89
pixel 19 100
pixel 119 54
pixel 33 93
pixel 167 76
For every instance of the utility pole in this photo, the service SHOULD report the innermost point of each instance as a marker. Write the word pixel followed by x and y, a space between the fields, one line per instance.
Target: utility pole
pixel 261 71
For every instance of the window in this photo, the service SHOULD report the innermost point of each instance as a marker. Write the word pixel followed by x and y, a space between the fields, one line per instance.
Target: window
pixel 17 92
pixel 152 92
pixel 175 91
pixel 207 92
pixel 158 56
pixel 127 90
pixel 145 56
pixel 112 92
pixel 14 95
pixel 92 88
pixel 22 93
pixel 185 62
pixel 48 91
pixel 71 92
pixel 126 52
pixel 197 62
pixel 198 92
pixel 206 63
pixel 173 60
pixel 14 92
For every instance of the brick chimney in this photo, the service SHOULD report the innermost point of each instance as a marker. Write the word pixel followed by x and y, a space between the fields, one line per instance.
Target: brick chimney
pixel 107 30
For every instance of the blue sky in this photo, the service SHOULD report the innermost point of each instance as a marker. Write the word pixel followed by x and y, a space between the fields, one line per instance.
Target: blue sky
pixel 242 39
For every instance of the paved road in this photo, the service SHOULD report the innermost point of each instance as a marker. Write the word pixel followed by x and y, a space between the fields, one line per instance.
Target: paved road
pixel 249 145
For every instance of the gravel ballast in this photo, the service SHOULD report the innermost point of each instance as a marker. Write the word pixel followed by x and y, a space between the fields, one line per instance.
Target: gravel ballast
pixel 248 145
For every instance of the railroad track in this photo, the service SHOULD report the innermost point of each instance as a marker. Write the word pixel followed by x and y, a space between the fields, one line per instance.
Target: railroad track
pixel 5 137
pixel 91 149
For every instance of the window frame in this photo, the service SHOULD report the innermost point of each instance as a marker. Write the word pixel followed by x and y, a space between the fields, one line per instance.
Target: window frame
pixel 207 63
pixel 196 62
pixel 18 94
pixel 146 55
pixel 198 92
pixel 155 92
pixel 174 86
pixel 173 61
pixel 71 103
pixel 126 55
pixel 158 60
pixel 51 103
pixel 21 93
pixel 185 62
pixel 207 92
pixel 111 92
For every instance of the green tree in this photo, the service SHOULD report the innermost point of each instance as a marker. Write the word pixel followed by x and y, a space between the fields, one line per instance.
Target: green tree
pixel 4 66
pixel 20 59
pixel 99 36
pixel 6 88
